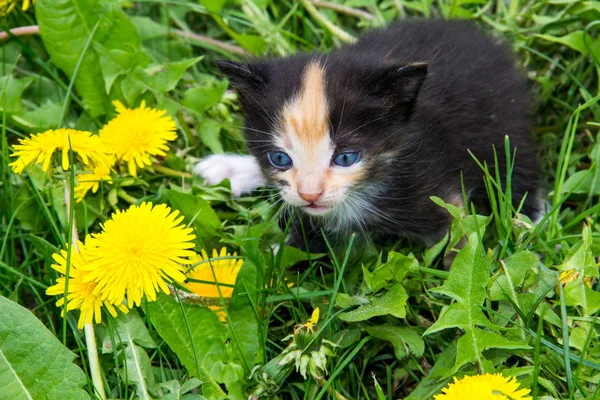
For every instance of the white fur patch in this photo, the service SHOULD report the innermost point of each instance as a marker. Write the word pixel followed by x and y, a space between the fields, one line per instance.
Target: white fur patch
pixel 243 172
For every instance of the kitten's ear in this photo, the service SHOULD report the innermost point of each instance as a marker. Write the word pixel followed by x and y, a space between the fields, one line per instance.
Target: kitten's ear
pixel 401 82
pixel 244 76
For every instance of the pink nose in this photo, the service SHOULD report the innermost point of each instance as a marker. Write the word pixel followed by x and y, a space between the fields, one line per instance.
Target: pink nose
pixel 310 197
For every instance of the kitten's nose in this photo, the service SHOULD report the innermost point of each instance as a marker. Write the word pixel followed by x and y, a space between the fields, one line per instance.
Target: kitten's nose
pixel 310 197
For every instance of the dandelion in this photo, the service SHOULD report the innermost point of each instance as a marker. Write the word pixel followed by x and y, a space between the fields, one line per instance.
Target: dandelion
pixel 80 293
pixel 38 149
pixel 136 134
pixel 484 387
pixel 7 6
pixel 137 252
pixel 90 180
pixel 222 266
pixel 307 349
pixel 568 276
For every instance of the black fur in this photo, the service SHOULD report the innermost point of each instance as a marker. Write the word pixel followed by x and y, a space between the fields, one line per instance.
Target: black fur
pixel 413 98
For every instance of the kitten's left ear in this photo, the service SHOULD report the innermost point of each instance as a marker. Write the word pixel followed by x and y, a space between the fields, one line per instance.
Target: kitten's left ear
pixel 401 82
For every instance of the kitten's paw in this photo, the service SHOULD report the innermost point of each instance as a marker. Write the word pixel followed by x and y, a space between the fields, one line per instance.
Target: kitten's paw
pixel 243 172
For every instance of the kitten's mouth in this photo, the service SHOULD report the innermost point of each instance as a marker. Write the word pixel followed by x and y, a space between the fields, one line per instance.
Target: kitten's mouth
pixel 316 209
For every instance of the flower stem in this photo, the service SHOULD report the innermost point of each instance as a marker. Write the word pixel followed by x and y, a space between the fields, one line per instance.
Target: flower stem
pixel 90 336
pixel 127 197
pixel 171 172
pixel 92 350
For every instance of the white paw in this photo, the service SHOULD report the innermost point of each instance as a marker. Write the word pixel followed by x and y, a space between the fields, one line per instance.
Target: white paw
pixel 243 172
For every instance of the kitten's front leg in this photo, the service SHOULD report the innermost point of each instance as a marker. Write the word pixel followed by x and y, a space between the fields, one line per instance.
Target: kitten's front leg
pixel 243 172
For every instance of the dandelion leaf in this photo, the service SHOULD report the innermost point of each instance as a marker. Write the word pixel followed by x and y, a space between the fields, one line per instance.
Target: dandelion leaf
pixel 11 93
pixel 466 285
pixel 33 363
pixel 201 342
pixel 582 258
pixel 511 275
pixel 65 27
pixel 392 302
pixel 129 329
pixel 404 339
pixel 579 294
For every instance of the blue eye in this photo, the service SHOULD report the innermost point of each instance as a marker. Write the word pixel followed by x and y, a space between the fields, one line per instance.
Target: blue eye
pixel 346 159
pixel 279 159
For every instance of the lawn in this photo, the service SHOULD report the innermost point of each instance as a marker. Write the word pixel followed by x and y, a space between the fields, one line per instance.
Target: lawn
pixel 94 210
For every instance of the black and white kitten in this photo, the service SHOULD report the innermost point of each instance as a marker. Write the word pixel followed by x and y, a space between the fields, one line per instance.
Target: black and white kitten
pixel 360 138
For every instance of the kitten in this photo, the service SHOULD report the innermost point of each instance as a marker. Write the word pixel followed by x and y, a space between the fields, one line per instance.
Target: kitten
pixel 360 138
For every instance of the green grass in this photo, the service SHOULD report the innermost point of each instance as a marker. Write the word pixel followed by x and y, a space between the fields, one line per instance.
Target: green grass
pixel 526 324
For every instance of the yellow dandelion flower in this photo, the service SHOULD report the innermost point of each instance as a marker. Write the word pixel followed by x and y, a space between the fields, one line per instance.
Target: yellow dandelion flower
pixel 90 180
pixel 80 293
pixel 136 134
pixel 137 251
pixel 568 276
pixel 588 281
pixel 225 271
pixel 38 149
pixel 7 6
pixel 484 387
pixel 311 324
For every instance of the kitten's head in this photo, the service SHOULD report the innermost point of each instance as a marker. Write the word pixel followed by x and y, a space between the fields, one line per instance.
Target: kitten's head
pixel 325 128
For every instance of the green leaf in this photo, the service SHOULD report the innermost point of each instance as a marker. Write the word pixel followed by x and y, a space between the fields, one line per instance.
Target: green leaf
pixel 138 370
pixel 466 285
pixel 11 93
pixel 243 317
pixel 583 182
pixel 148 28
pixel 163 78
pixel 65 27
pixel 577 40
pixel 393 302
pixel 404 339
pixel 435 381
pixel 130 333
pixel 205 350
pixel 209 132
pixel 201 98
pixel 33 363
pixel 129 329
pixel 582 258
pixel 511 275
pixel 206 222
pixel 41 119
pixel 393 271
pixel 579 294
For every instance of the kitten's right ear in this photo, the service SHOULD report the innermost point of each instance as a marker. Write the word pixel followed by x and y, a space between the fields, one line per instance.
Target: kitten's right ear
pixel 244 76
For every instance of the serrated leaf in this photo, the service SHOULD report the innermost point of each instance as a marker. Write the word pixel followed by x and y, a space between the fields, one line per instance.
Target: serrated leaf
pixel 65 27
pixel 582 258
pixel 33 363
pixel 129 328
pixel 138 370
pixel 579 294
pixel 404 339
pixel 466 285
pixel 394 270
pixel 393 303
pixel 511 275
pixel 217 360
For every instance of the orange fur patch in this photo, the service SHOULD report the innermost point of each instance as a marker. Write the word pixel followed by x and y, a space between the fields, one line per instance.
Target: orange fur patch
pixel 305 116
